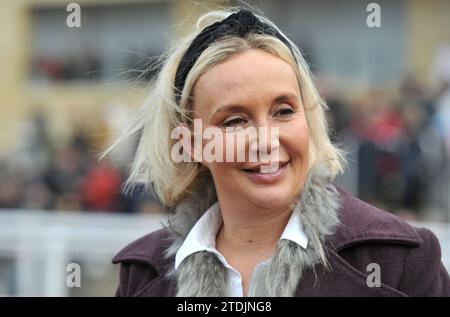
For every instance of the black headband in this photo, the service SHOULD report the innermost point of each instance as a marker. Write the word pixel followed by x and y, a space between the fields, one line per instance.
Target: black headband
pixel 239 24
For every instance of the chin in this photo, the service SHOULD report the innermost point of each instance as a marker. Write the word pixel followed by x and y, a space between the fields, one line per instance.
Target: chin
pixel 270 197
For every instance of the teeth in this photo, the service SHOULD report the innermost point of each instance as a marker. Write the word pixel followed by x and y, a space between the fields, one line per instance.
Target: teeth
pixel 268 169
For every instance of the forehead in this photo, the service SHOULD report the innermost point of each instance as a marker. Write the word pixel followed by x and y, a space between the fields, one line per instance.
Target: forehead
pixel 253 75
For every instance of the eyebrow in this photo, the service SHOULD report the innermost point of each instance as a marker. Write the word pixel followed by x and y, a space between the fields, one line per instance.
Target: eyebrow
pixel 237 107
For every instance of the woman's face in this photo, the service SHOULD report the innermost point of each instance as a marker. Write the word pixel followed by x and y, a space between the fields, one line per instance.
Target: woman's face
pixel 255 89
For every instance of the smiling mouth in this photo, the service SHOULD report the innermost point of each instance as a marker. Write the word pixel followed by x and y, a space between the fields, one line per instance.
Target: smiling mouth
pixel 266 169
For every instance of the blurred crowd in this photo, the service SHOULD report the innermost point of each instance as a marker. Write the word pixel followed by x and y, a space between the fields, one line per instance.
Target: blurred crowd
pixel 71 178
pixel 87 65
pixel 397 140
pixel 81 66
pixel 398 144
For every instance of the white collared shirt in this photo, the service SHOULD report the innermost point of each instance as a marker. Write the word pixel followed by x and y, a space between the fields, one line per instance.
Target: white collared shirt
pixel 202 237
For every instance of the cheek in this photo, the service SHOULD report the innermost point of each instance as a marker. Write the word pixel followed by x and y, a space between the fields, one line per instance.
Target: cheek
pixel 225 175
pixel 233 147
pixel 223 151
pixel 296 139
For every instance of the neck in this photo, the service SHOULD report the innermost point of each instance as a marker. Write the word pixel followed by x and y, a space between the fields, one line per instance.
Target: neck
pixel 247 226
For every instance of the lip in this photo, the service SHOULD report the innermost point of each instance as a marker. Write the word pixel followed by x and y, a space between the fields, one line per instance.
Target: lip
pixel 257 167
pixel 268 178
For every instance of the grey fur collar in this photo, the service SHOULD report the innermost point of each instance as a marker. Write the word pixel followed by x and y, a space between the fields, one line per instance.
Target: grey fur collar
pixel 202 274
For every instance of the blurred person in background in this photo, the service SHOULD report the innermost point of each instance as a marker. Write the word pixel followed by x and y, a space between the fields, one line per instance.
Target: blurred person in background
pixel 441 125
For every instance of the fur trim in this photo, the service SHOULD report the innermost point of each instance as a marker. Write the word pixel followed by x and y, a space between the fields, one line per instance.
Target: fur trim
pixel 202 274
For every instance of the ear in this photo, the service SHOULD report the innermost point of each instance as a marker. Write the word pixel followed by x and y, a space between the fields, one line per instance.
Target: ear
pixel 192 146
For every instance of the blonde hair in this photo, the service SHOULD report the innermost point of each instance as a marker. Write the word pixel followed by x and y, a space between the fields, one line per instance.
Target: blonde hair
pixel 160 114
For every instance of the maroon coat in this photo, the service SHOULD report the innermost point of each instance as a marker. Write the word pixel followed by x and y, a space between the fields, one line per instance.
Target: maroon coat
pixel 409 259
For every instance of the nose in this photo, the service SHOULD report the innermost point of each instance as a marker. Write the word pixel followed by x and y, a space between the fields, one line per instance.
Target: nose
pixel 265 143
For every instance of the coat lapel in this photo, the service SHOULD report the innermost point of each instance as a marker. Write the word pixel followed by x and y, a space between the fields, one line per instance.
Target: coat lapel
pixel 159 287
pixel 340 280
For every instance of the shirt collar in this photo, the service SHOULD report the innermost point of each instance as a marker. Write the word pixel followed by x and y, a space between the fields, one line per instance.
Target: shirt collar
pixel 202 236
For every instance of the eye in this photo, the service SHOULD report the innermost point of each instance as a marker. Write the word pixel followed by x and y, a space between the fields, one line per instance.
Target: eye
pixel 285 112
pixel 233 121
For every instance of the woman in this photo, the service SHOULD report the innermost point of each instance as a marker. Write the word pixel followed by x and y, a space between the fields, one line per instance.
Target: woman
pixel 277 227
